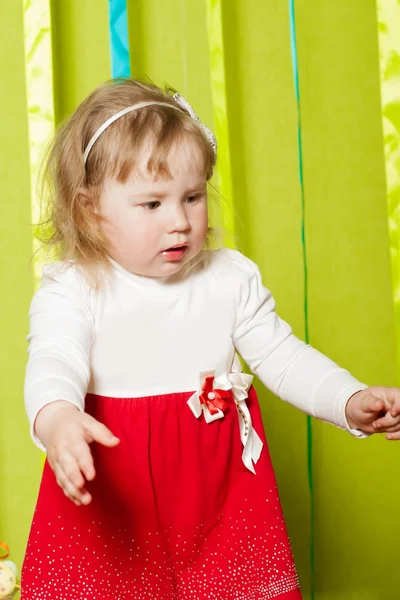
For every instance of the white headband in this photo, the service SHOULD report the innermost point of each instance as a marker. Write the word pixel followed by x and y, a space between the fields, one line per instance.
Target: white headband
pixel 181 102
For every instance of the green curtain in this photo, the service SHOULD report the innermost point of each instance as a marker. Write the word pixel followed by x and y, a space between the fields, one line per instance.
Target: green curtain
pixel 231 59
pixel 20 463
pixel 389 42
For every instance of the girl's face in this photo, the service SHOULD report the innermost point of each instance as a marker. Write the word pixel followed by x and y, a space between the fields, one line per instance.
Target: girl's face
pixel 156 225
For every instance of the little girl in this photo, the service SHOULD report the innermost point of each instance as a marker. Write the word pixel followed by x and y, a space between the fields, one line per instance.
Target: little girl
pixel 158 483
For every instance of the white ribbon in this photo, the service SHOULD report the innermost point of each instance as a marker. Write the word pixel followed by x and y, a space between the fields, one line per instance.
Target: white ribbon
pixel 239 383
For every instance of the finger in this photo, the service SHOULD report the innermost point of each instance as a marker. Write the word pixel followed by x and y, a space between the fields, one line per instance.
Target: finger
pixel 97 432
pixel 386 422
pixel 79 496
pixel 392 429
pixel 383 423
pixel 58 460
pixel 395 411
pixel 372 405
pixel 84 499
pixel 393 436
pixel 69 490
pixel 85 461
pixel 71 469
pixel 392 396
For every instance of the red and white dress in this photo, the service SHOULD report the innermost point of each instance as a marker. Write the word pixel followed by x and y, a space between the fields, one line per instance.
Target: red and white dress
pixel 186 507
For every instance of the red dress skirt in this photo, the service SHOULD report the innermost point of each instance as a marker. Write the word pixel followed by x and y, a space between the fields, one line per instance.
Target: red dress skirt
pixel 175 514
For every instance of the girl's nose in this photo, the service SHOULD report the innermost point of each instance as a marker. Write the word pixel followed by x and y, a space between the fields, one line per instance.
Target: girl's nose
pixel 178 219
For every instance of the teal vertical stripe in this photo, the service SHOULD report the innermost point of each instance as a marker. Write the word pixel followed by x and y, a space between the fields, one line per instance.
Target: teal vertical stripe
pixel 295 63
pixel 119 40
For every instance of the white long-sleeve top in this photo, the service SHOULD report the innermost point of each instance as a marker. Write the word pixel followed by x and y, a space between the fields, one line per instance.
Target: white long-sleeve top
pixel 139 336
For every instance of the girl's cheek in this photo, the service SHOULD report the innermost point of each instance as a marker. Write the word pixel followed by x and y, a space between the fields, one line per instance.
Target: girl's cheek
pixel 108 231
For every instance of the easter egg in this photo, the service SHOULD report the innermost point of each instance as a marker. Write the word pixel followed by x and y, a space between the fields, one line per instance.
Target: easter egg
pixel 8 579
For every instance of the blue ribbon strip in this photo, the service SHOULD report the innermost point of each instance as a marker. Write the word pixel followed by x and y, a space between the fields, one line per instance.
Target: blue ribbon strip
pixel 293 44
pixel 119 39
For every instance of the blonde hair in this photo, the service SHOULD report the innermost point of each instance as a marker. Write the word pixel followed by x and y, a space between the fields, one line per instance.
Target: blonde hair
pixel 70 225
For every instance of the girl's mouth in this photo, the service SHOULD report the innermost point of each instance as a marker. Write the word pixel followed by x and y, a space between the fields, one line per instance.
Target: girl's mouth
pixel 175 253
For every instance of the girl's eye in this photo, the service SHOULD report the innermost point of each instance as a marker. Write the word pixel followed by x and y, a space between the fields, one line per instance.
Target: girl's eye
pixel 152 205
pixel 192 199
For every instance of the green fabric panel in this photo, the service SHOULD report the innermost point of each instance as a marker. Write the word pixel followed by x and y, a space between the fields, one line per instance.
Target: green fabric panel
pixel 169 44
pixel 350 298
pixel 389 43
pixel 39 86
pixel 223 177
pixel 81 51
pixel 266 191
pixel 20 463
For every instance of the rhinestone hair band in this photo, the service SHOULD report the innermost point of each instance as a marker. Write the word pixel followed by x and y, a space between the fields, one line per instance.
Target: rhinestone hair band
pixel 181 103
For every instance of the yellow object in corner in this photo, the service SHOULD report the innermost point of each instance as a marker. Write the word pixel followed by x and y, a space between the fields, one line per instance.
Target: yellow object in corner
pixel 8 575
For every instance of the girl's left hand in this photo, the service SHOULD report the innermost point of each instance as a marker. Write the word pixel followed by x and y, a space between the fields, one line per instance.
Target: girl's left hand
pixel 375 410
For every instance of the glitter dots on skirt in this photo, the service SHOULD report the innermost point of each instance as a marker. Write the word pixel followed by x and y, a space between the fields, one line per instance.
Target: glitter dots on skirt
pixel 175 514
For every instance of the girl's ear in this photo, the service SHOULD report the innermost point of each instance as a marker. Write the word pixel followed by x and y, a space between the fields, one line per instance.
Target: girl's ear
pixel 86 212
pixel 86 201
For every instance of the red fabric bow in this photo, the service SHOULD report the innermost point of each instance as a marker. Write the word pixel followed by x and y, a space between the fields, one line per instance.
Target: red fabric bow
pixel 214 399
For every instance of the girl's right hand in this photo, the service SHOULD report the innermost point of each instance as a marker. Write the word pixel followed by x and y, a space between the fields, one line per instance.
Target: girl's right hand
pixel 66 433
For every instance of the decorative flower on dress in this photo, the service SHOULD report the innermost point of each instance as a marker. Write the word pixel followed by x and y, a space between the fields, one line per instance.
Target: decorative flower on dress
pixel 213 399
